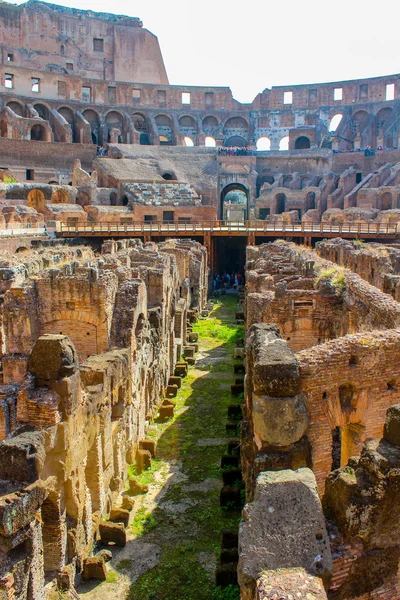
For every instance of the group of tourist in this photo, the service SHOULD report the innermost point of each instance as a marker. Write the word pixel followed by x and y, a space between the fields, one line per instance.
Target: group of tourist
pixel 368 151
pixel 225 281
pixel 235 151
pixel 101 151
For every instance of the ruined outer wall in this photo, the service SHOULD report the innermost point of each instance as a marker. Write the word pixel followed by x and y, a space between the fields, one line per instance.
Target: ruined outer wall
pixel 127 52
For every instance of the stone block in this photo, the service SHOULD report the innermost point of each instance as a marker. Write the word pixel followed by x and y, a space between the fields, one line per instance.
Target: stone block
pixel 119 515
pixel 275 367
pixel 181 369
pixel 238 353
pixel 128 503
pixel 171 391
pixel 279 421
pixel 53 357
pixel 112 533
pixel 149 445
pixel 193 337
pixel 283 527
pixel 66 578
pixel 143 460
pixel 166 412
pixel 204 313
pixel 392 425
pixel 135 489
pixel 94 567
pixel 188 352
pixel 174 380
pixel 291 583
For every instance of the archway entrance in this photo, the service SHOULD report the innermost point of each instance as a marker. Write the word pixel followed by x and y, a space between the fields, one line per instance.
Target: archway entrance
pixel 230 255
pixel 234 203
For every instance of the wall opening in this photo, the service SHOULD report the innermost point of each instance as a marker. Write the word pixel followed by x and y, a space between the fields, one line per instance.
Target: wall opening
pixel 234 203
pixel 302 143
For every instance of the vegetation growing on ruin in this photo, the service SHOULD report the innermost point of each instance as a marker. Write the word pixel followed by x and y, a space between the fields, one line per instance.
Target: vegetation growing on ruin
pixel 189 521
pixel 335 275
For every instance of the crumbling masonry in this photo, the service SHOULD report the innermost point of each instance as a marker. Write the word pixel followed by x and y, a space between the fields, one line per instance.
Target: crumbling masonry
pixel 88 346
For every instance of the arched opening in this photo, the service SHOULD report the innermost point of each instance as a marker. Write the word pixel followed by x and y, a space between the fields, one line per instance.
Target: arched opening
pixel 69 116
pixel 62 50
pixel 139 122
pixel 93 119
pixel 35 200
pixel 21 249
pixel 60 197
pixel 210 126
pixel 358 119
pixel 164 127
pixel 187 125
pixel 284 143
pixel 125 201
pixel 236 127
pixel 17 108
pixel 114 120
pixel 302 143
pixel 263 143
pixel 38 133
pixel 169 176
pixel 334 122
pixel 234 203
pixel 235 142
pixel 144 139
pixel 386 201
pixel 382 116
pixel 210 142
pixel 42 111
pixel 280 203
pixel 113 199
pixel 310 200
pixel 53 182
pixel 187 141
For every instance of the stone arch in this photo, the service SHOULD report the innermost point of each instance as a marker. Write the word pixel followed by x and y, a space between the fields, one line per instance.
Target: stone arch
pixel 310 200
pixel 335 122
pixel 38 133
pixel 139 122
pixel 67 114
pixel 93 119
pixel 210 142
pixel 36 200
pixel 236 127
pixel 385 201
pixel 16 107
pixel 284 143
pixel 169 176
pixel 280 200
pixel 382 116
pixel 235 141
pixel 42 110
pixel 115 120
pixel 188 142
pixel 60 197
pixel 210 125
pixel 243 198
pixel 187 122
pixel 164 128
pixel 302 143
pixel 358 118
pixel 264 143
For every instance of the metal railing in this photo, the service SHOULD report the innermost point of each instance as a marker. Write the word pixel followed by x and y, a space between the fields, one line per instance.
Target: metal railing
pixel 201 227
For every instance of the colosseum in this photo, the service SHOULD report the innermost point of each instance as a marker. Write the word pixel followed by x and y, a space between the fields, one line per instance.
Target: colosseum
pixel 200 326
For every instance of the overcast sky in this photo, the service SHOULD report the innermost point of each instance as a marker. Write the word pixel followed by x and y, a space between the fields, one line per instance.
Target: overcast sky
pixel 254 44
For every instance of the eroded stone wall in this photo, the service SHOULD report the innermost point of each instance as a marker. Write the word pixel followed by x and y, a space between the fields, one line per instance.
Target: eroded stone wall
pixel 89 343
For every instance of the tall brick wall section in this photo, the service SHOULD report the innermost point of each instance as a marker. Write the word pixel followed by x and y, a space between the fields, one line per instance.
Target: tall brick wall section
pixel 349 383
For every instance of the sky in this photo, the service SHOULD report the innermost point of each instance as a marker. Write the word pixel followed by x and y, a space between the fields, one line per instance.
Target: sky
pixel 256 44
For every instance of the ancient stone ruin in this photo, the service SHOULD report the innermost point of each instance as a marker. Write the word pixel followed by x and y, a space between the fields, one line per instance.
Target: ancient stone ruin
pixel 89 344
pixel 200 326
